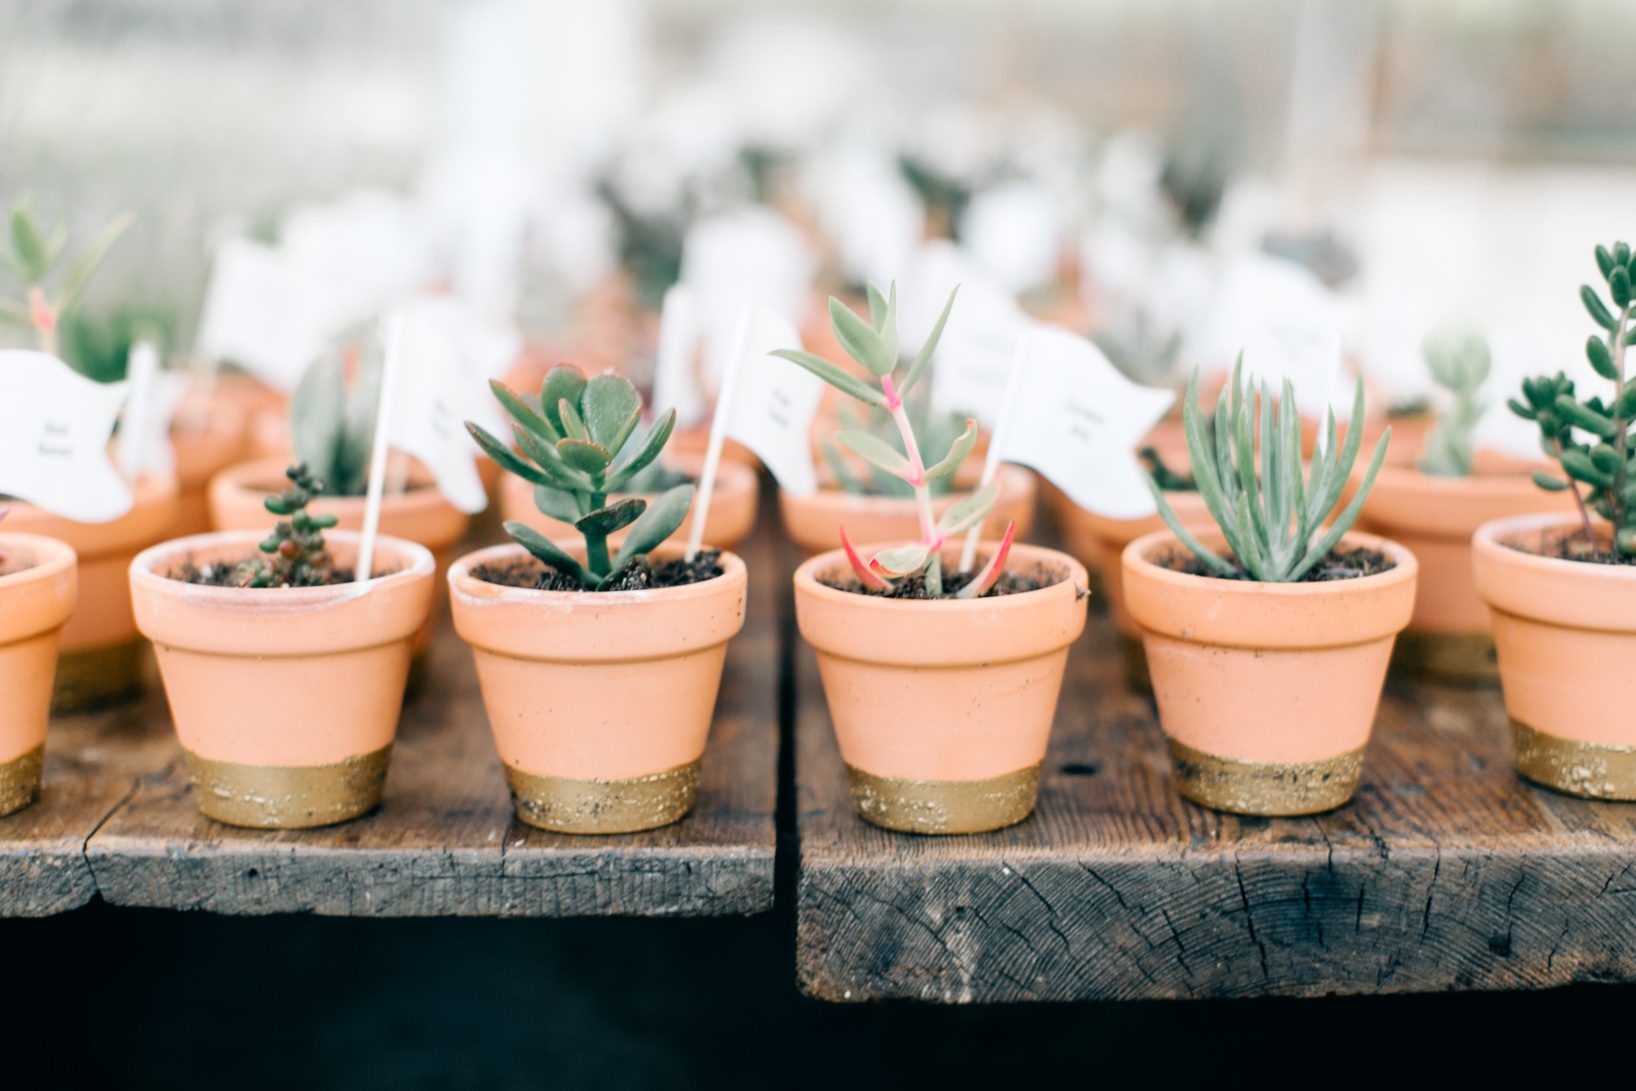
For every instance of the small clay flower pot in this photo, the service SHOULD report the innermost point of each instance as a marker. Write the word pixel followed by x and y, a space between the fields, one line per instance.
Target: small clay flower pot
pixel 732 506
pixel 600 702
pixel 814 522
pixel 202 451
pixel 1267 692
pixel 37 590
pixel 1449 636
pixel 942 709
pixel 1566 634
pixel 285 700
pixel 100 651
pixel 694 443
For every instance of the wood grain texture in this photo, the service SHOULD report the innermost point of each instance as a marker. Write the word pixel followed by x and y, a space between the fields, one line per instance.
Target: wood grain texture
pixel 1446 872
pixel 443 842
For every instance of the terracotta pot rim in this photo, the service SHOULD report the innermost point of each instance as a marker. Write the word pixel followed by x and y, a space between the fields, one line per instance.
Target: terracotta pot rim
pixel 1014 480
pixel 144 571
pixel 462 582
pixel 420 493
pixel 1472 486
pixel 1404 569
pixel 52 558
pixel 1488 540
pixel 806 582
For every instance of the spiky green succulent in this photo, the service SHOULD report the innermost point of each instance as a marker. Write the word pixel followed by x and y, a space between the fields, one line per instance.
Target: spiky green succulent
pixel 35 256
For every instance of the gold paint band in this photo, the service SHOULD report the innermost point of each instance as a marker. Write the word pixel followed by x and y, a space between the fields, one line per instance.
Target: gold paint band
pixel 287 797
pixel 1448 657
pixel 1590 770
pixel 563 805
pixel 20 780
pixel 1267 788
pixel 88 677
pixel 944 806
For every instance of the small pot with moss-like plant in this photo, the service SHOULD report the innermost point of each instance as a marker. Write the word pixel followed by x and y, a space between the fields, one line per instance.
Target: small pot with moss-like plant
pixel 285 674
pixel 1434 500
pixel 942 684
pixel 599 663
pixel 37 590
pixel 1562 588
pixel 1268 636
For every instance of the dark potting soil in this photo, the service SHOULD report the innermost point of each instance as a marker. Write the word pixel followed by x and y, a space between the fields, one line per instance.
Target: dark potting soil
pixel 229 575
pixel 1570 545
pixel 1340 564
pixel 636 576
pixel 914 587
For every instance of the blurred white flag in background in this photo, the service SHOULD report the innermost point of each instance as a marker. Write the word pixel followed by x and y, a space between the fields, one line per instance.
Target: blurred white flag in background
pixel 55 425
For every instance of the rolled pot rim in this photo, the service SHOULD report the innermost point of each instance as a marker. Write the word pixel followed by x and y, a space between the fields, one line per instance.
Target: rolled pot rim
pixel 1014 480
pixel 1404 568
pixel 465 587
pixel 1075 580
pixel 1489 539
pixel 1485 486
pixel 246 477
pixel 419 564
pixel 52 557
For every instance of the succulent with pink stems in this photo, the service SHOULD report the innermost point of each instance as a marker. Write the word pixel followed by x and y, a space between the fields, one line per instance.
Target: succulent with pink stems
pixel 873 344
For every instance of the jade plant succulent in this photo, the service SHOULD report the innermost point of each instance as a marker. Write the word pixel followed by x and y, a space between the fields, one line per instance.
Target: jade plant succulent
pixel 1459 363
pixel 578 448
pixel 1272 518
pixel 332 417
pixel 296 554
pixel 1602 462
pixel 873 345
pixel 34 256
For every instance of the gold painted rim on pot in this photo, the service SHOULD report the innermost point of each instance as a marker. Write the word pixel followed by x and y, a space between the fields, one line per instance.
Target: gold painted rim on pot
pixel 1267 788
pixel 1585 769
pixel 287 797
pixel 944 806
pixel 20 780
pixel 1448 657
pixel 564 805
pixel 87 677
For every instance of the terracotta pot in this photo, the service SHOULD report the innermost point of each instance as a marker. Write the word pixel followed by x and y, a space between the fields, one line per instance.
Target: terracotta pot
pixel 1267 692
pixel 201 453
pixel 814 522
pixel 600 702
pixel 1566 634
pixel 695 442
pixel 732 505
pixel 942 709
pixel 420 514
pixel 1449 636
pixel 285 700
pixel 100 654
pixel 37 590
pixel 269 435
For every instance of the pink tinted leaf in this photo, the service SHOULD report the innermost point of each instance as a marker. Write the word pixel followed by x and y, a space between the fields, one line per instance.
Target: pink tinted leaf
pixel 900 561
pixel 990 572
pixel 865 577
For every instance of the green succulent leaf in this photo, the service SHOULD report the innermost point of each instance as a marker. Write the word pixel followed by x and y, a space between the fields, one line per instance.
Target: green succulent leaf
pixel 26 243
pixel 1579 466
pixel 950 464
pixel 612 408
pixel 1549 482
pixel 900 561
pixel 544 456
pixel 615 517
pixel 841 380
pixel 969 510
pixel 917 366
pixel 573 427
pixel 646 451
pixel 877 306
pixel 661 519
pixel 89 260
pixel 1598 310
pixel 502 454
pixel 1584 417
pixel 548 552
pixel 1596 351
pixel 559 504
pixel 562 384
pixel 861 341
pixel 523 413
pixel 590 459
pixel 876 451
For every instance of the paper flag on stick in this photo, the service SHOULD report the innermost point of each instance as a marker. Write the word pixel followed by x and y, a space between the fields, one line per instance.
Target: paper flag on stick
pixel 262 313
pixel 774 401
pixel 973 357
pixel 54 431
pixel 434 395
pixel 144 430
pixel 675 371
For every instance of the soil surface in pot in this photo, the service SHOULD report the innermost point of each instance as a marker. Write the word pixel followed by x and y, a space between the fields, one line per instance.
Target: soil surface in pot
pixel 1569 545
pixel 636 576
pixel 1167 478
pixel 914 587
pixel 1340 564
pixel 229 575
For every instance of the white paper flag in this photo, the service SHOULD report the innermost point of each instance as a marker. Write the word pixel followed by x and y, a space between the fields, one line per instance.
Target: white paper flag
pixel 751 258
pixel 361 253
pixel 675 371
pixel 774 401
pixel 262 313
pixel 434 396
pixel 974 354
pixel 1013 232
pixel 1073 417
pixel 486 349
pixel 54 431
pixel 144 430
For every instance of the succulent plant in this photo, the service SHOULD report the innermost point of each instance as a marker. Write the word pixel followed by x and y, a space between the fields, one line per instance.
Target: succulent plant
pixel 1160 473
pixel 1142 351
pixel 98 345
pixel 578 448
pixel 332 416
pixel 937 433
pixel 297 556
pixel 33 258
pixel 1459 363
pixel 1603 463
pixel 873 344
pixel 1272 518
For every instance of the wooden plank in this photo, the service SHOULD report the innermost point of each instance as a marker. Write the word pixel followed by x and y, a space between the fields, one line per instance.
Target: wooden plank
pixel 1446 872
pixel 444 841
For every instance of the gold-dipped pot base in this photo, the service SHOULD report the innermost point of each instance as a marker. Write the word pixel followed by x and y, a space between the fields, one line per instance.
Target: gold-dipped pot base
pixel 944 806
pixel 20 780
pixel 1268 788
pixel 1589 770
pixel 1467 658
pixel 562 805
pixel 287 797
pixel 88 677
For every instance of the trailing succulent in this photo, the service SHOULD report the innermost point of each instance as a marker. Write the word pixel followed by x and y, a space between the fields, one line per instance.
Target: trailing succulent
pixel 1271 517
pixel 1459 363
pixel 296 554
pixel 579 447
pixel 873 344
pixel 34 256
pixel 332 418
pixel 1602 461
